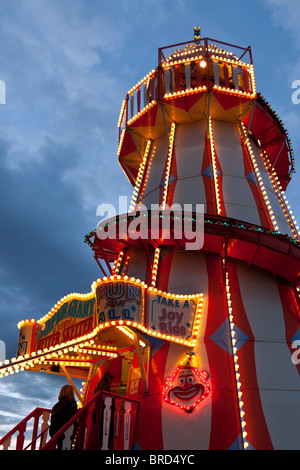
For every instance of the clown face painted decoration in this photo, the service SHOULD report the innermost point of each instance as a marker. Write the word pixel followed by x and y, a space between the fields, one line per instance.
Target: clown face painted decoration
pixel 187 387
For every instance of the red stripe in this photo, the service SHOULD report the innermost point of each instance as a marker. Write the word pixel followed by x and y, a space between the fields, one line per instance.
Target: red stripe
pixel 291 311
pixel 211 206
pixel 265 220
pixel 164 266
pixel 256 427
pixel 163 178
pixel 220 185
pixel 224 422
pixel 149 429
pixel 173 172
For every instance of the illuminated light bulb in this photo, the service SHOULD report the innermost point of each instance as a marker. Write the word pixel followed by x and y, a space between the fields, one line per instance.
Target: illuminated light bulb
pixel 236 366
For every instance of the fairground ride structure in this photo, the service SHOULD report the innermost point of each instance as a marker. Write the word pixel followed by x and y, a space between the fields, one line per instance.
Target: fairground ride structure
pixel 201 336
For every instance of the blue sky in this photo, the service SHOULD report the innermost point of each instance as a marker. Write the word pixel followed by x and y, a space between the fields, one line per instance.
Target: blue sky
pixel 67 66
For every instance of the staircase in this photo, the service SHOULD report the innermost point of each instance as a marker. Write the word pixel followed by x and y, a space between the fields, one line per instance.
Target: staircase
pixel 112 427
pixel 16 437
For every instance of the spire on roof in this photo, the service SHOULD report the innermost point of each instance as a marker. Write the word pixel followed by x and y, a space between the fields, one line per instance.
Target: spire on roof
pixel 197 33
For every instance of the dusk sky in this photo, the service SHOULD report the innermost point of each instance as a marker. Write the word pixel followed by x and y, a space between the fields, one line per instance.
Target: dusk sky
pixel 67 66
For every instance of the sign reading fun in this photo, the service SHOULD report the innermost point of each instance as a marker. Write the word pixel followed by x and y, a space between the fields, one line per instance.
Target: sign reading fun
pixel 120 301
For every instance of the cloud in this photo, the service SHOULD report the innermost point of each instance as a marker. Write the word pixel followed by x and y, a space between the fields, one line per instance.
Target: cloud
pixel 58 89
pixel 58 148
pixel 58 156
pixel 41 391
pixel 286 14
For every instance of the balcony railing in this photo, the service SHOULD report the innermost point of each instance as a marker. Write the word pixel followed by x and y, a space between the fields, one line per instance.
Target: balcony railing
pixel 190 70
pixel 106 422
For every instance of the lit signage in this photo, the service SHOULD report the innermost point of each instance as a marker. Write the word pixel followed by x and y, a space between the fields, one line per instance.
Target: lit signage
pixel 26 338
pixel 72 319
pixel 114 301
pixel 172 315
pixel 119 301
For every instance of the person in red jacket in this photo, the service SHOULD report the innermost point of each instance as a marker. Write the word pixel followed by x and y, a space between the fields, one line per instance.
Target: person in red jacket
pixel 62 412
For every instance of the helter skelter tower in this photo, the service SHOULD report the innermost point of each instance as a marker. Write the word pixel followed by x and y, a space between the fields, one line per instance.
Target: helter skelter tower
pixel 195 130
pixel 203 339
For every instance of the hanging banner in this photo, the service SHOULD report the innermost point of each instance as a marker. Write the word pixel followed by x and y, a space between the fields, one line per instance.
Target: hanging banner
pixel 120 301
pixel 173 315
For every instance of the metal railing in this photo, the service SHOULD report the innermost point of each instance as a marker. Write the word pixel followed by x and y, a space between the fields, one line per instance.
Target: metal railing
pixel 186 72
pixel 106 422
pixel 15 439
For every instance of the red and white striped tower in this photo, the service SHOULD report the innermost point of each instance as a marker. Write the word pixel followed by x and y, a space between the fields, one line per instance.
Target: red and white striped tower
pixel 201 340
pixel 195 131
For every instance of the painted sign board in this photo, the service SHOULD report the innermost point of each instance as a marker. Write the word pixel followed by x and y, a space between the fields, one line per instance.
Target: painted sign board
pixel 172 315
pixel 114 301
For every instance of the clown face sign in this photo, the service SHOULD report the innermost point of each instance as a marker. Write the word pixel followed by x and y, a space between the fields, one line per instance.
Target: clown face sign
pixel 187 387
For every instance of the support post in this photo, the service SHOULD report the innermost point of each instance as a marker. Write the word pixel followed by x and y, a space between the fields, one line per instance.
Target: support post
pixel 141 363
pixel 71 382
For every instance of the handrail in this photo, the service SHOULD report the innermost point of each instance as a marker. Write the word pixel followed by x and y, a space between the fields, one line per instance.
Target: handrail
pixel 21 428
pixel 184 76
pixel 161 55
pixel 41 436
pixel 81 419
pixel 123 406
pixel 51 444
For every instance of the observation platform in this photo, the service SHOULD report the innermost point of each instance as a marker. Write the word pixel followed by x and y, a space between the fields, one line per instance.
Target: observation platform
pixel 198 80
